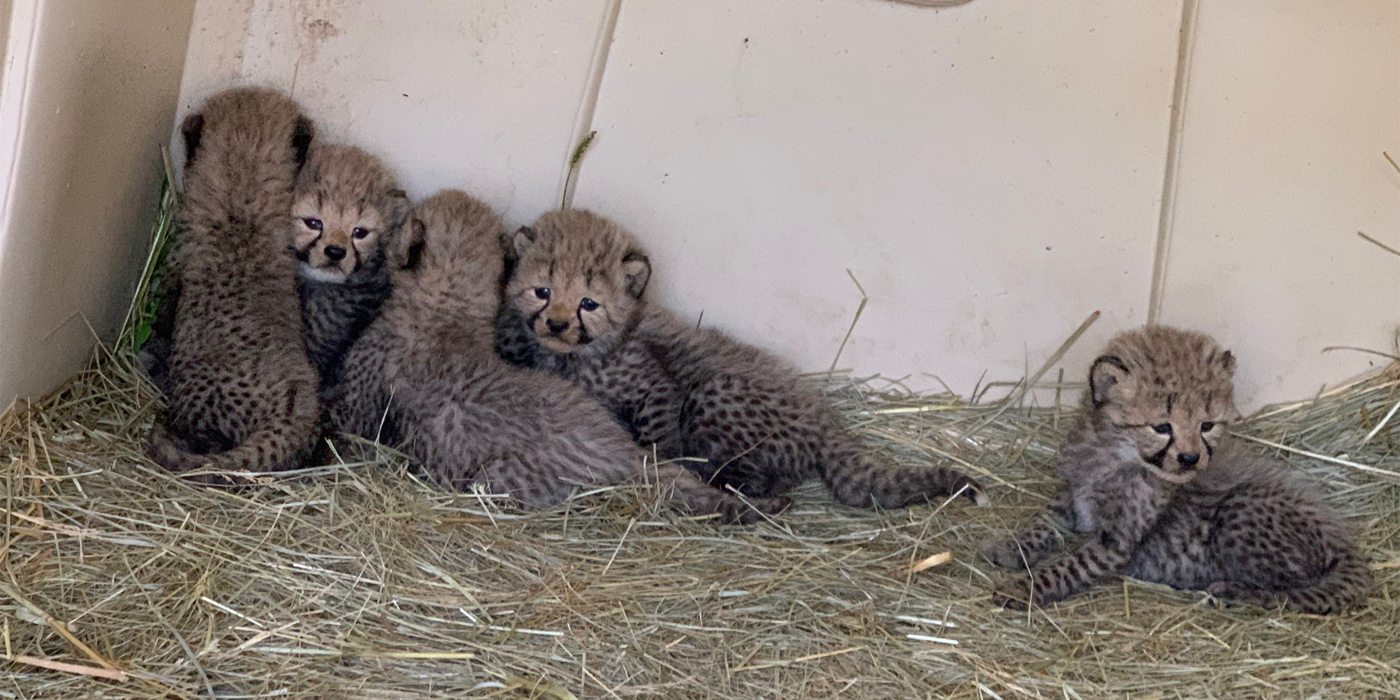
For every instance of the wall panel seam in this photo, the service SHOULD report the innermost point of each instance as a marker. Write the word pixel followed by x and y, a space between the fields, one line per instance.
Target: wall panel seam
pixel 588 102
pixel 1166 213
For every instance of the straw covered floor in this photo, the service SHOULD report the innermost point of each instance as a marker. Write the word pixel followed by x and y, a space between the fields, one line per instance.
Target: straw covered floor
pixel 359 581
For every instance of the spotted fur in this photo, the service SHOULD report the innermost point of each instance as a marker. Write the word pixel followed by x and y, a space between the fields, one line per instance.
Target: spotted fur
pixel 347 210
pixel 575 306
pixel 425 376
pixel 242 393
pixel 1161 495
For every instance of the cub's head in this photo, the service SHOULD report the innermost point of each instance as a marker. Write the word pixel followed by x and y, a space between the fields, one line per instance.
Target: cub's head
pixel 347 210
pixel 245 137
pixel 576 278
pixel 448 255
pixel 1170 391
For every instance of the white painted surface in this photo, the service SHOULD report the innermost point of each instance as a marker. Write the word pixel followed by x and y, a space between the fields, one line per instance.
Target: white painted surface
pixel 87 100
pixel 481 96
pixel 991 173
pixel 1289 106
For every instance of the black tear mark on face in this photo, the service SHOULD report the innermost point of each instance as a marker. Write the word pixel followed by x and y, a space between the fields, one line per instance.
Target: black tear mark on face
pixel 192 129
pixel 1158 459
pixel 584 337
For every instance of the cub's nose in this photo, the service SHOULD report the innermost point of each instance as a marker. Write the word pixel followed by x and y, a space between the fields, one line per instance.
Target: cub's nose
pixel 335 252
pixel 1188 460
pixel 556 326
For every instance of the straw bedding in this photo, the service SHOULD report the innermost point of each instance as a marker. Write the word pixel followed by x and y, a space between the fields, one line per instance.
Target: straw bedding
pixel 357 580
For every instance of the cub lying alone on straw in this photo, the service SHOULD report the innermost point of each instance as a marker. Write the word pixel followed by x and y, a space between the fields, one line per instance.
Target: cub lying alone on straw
pixel 1163 497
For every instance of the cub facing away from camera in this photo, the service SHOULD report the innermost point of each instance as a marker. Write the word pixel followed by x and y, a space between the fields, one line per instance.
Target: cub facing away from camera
pixel 347 210
pixel 574 306
pixel 425 376
pixel 242 393
pixel 1163 496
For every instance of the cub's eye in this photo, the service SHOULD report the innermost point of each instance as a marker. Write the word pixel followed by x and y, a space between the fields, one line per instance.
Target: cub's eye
pixel 1207 426
pixel 358 233
pixel 312 223
pixel 1162 428
pixel 588 304
pixel 541 292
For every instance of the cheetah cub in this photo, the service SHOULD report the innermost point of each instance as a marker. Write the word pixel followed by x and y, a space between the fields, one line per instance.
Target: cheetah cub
pixel 425 376
pixel 574 306
pixel 347 208
pixel 242 393
pixel 1163 497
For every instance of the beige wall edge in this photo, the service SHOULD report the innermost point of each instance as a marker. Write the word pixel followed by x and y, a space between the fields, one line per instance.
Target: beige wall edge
pixel 87 100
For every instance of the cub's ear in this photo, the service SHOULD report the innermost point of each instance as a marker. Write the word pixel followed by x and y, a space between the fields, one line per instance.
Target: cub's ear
pixel 191 129
pixel 302 135
pixel 407 250
pixel 636 271
pixel 398 209
pixel 519 242
pixel 1228 360
pixel 1110 380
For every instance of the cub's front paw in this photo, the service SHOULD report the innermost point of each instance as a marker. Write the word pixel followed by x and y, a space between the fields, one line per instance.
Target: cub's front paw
pixel 974 492
pixel 1014 593
pixel 1224 590
pixel 740 511
pixel 772 506
pixel 1231 592
pixel 1005 553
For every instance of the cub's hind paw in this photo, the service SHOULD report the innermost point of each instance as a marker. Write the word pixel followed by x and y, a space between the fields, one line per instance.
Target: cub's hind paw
pixel 739 511
pixel 974 492
pixel 1014 594
pixel 1228 592
pixel 1005 553
pixel 1224 590
pixel 772 506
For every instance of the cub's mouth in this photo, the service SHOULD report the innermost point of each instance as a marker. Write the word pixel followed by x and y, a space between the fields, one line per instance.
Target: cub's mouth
pixel 326 263
pixel 1175 477
pixel 560 336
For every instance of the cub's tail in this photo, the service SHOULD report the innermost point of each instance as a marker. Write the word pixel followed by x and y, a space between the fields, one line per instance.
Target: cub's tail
pixel 1342 589
pixel 857 479
pixel 280 443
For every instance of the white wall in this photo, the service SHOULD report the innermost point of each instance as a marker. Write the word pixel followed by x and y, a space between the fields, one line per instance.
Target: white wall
pixel 1289 106
pixel 992 172
pixel 87 100
pixel 481 95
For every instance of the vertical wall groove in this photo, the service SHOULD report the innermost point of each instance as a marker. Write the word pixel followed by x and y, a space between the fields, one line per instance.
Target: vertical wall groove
pixel 1167 208
pixel 588 104
pixel 21 37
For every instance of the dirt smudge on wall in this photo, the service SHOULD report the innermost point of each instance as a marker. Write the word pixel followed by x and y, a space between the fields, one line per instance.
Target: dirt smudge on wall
pixel 314 24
